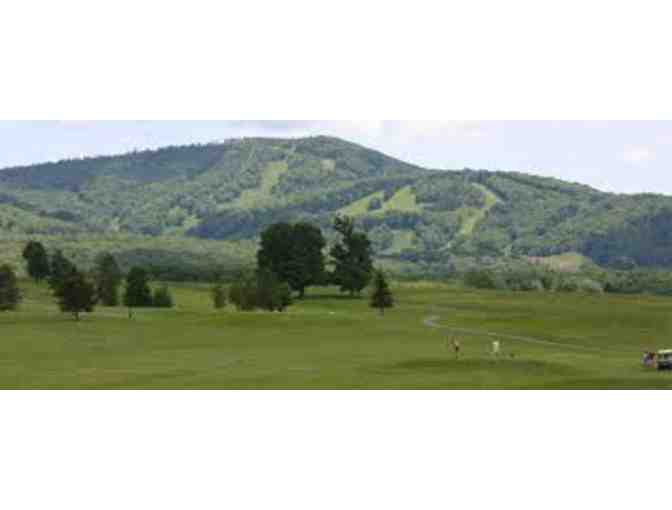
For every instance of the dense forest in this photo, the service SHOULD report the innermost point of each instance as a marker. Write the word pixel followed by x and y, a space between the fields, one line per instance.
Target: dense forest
pixel 180 208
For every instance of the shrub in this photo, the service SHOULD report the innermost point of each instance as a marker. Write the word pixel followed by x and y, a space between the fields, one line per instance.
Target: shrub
pixel 10 296
pixel 480 279
pixel 265 291
pixel 163 298
pixel 219 297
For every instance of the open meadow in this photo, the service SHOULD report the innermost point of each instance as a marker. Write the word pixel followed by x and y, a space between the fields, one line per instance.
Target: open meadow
pixel 549 340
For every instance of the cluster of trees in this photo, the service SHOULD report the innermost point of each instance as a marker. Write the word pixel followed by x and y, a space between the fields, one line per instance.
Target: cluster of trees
pixel 591 280
pixel 527 279
pixel 532 279
pixel 78 292
pixel 292 257
pixel 263 291
pixel 294 253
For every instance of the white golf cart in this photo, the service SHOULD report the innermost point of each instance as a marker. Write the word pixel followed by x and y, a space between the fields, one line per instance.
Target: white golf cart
pixel 664 360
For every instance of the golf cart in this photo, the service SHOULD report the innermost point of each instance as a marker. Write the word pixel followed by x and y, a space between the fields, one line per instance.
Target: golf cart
pixel 664 360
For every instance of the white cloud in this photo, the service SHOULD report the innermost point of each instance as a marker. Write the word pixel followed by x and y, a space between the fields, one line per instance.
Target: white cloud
pixel 638 155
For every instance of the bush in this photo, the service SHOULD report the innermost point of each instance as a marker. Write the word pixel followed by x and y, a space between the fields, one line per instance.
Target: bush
pixel 480 279
pixel 265 291
pixel 219 297
pixel 243 294
pixel 10 296
pixel 162 298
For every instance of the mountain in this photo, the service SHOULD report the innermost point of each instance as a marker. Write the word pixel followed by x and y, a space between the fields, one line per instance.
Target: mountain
pixel 213 200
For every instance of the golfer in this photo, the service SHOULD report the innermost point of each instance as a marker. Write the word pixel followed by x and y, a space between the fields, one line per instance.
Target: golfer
pixel 496 348
pixel 457 347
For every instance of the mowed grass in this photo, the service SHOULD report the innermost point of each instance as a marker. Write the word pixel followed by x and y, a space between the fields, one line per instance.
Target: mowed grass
pixel 329 342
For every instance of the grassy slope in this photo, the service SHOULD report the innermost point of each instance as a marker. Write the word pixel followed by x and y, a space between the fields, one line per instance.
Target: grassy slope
pixel 403 200
pixel 313 345
pixel 471 217
pixel 360 207
pixel 269 179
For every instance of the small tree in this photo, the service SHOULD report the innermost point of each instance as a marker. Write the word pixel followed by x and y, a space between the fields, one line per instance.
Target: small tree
pixel 37 261
pixel 219 296
pixel 10 295
pixel 61 268
pixel 108 279
pixel 163 298
pixel 137 293
pixel 381 296
pixel 76 295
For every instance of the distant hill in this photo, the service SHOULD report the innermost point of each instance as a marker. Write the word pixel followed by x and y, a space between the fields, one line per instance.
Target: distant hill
pixel 230 191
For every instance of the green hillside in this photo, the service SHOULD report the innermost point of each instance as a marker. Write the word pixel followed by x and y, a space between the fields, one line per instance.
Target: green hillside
pixel 179 199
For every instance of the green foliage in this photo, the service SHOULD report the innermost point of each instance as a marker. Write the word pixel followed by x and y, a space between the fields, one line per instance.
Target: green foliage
pixel 108 278
pixel 76 294
pixel 61 269
pixel 37 261
pixel 10 295
pixel 575 341
pixel 219 299
pixel 137 293
pixel 294 253
pixel 263 291
pixel 480 279
pixel 243 293
pixel 352 258
pixel 167 203
pixel 381 295
pixel 162 298
pixel 272 294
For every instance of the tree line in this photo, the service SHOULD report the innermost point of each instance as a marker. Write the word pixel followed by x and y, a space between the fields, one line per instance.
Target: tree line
pixel 78 292
pixel 291 257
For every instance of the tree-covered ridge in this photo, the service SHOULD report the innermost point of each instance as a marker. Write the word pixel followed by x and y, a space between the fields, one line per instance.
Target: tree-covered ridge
pixel 232 191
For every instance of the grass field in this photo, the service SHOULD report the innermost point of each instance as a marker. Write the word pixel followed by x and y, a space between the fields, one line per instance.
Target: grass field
pixel 324 342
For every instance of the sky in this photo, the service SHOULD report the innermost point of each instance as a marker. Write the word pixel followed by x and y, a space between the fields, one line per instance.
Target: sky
pixel 619 156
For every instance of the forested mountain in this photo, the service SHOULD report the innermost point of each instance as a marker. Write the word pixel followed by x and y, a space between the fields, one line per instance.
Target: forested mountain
pixel 230 191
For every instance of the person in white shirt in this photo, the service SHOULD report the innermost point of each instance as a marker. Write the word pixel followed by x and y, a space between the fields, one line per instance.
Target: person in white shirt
pixel 496 348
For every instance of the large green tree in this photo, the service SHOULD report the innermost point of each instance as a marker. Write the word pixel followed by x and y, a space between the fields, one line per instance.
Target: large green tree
pixel 352 257
pixel 108 279
pixel 76 294
pixel 10 295
pixel 294 253
pixel 381 295
pixel 138 294
pixel 37 261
